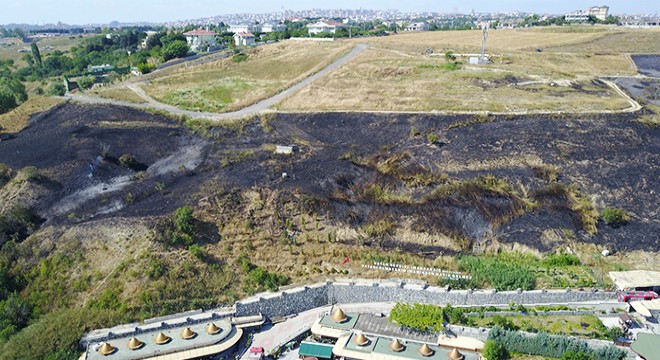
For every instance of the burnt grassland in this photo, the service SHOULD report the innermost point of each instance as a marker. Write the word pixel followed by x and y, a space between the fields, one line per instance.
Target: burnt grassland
pixel 91 201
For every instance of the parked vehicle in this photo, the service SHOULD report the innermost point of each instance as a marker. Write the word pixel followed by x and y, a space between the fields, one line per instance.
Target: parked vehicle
pixel 626 296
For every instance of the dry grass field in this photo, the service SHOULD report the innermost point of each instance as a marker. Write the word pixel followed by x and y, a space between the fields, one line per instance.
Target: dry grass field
pixel 395 75
pixel 117 93
pixel 227 85
pixel 10 46
pixel 17 119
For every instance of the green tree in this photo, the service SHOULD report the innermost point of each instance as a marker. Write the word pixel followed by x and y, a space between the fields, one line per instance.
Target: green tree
pixel 146 68
pixel 86 82
pixel 176 49
pixel 36 55
pixel 494 350
pixel 56 88
pixel 7 101
pixel 580 355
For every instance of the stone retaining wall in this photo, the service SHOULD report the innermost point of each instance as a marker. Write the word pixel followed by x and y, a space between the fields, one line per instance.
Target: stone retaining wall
pixel 293 301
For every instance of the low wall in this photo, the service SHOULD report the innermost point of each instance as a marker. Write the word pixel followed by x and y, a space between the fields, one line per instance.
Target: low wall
pixel 293 301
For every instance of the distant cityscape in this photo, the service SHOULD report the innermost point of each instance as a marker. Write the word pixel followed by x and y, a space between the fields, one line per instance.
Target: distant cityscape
pixel 508 19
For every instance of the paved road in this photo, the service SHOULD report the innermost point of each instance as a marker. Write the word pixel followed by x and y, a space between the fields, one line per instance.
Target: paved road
pixel 257 108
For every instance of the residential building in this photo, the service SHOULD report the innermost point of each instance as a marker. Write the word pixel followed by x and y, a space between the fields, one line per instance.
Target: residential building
pixel 417 26
pixel 323 26
pixel 244 39
pixel 600 12
pixel 150 33
pixel 200 39
pixel 272 27
pixel 577 16
pixel 243 28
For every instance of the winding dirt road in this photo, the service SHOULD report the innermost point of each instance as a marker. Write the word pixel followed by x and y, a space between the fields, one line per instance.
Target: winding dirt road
pixel 266 104
pixel 261 106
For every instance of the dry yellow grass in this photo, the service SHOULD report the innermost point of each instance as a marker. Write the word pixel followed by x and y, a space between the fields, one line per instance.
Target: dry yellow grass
pixel 385 80
pixel 117 93
pixel 17 119
pixel 226 85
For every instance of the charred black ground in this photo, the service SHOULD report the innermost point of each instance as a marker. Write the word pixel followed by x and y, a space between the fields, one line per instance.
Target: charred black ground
pixel 474 179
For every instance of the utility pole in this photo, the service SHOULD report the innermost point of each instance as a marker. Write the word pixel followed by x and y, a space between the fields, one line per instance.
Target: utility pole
pixel 483 42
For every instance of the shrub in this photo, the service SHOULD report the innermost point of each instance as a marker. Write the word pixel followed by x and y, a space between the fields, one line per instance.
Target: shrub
pixel 128 160
pixel 501 275
pixel 197 251
pixel 86 82
pixel 146 68
pixel 240 57
pixel 494 350
pixel 432 138
pixel 562 260
pixel 615 217
pixel 551 345
pixel 56 88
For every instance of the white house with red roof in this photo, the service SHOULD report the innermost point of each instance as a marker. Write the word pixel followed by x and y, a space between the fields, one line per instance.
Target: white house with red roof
pixel 200 39
pixel 323 26
pixel 244 39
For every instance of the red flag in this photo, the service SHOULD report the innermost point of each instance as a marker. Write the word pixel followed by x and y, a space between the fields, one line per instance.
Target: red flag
pixel 346 260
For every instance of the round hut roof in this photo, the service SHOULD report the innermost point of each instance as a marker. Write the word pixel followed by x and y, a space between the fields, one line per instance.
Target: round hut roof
pixel 188 334
pixel 106 349
pixel 339 316
pixel 212 329
pixel 396 346
pixel 134 343
pixel 361 340
pixel 162 338
pixel 425 350
pixel 456 355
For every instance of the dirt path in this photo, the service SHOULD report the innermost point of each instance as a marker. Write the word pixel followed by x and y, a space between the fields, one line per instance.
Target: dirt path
pixel 141 93
pixel 257 108
pixel 266 104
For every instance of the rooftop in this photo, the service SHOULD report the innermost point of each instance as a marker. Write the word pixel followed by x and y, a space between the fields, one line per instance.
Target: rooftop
pixel 378 348
pixel 647 345
pixel 644 307
pixel 625 280
pixel 199 32
pixel 228 336
pixel 327 320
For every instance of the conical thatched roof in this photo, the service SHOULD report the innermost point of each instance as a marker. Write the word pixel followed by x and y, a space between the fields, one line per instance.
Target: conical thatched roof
pixel 456 355
pixel 188 334
pixel 162 339
pixel 396 346
pixel 361 340
pixel 212 329
pixel 134 343
pixel 425 350
pixel 339 316
pixel 106 349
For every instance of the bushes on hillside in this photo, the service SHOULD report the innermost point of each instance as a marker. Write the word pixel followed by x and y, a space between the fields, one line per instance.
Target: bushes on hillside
pixel 615 217
pixel 259 279
pixel 501 275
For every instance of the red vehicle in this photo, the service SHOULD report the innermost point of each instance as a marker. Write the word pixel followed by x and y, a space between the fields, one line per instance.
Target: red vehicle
pixel 625 296
pixel 256 353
